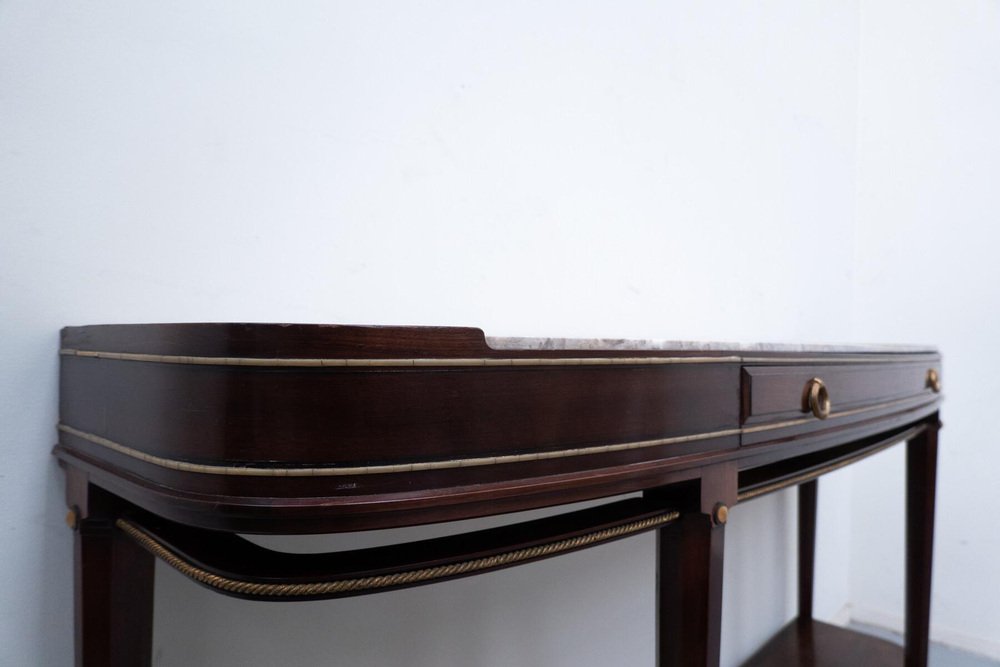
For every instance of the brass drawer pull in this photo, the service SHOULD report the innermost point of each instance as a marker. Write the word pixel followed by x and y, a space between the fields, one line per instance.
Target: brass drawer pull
pixel 934 381
pixel 816 399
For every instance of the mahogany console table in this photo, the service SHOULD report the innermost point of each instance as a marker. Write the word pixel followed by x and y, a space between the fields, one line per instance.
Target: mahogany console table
pixel 177 437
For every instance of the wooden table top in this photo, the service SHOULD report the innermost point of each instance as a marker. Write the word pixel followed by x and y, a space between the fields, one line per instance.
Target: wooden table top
pixel 322 428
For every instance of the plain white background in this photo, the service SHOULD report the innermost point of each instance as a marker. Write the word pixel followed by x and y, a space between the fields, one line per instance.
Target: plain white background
pixel 731 171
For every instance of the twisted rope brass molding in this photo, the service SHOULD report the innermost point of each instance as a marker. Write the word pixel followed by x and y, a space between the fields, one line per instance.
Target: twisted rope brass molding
pixel 374 583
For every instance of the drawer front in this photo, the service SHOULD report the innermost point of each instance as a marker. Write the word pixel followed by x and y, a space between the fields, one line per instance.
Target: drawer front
pixel 775 394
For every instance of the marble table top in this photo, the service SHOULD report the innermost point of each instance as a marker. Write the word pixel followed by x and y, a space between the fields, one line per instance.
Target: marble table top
pixel 541 343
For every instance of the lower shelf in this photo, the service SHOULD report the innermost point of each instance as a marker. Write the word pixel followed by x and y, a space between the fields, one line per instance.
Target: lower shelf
pixel 811 643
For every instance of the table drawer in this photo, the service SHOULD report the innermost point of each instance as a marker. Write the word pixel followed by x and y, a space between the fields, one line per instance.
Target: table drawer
pixel 782 393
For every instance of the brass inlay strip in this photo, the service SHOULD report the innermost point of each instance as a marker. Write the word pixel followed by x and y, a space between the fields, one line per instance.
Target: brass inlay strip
pixel 484 362
pixel 331 471
pixel 374 583
pixel 867 359
pixel 490 361
pixel 834 415
pixel 812 474
pixel 785 424
pixel 327 471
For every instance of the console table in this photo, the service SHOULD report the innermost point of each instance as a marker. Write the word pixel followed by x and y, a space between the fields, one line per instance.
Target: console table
pixel 175 438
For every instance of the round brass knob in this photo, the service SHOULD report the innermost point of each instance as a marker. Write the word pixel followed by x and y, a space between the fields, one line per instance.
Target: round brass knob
pixel 816 399
pixel 934 381
pixel 720 514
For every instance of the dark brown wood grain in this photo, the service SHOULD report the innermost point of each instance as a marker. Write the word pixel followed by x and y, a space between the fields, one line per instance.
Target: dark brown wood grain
pixel 776 392
pixel 816 644
pixel 689 586
pixel 807 548
pixel 356 417
pixel 691 434
pixel 689 576
pixel 921 475
pixel 113 583
pixel 276 340
pixel 281 417
pixel 266 341
pixel 235 558
pixel 815 462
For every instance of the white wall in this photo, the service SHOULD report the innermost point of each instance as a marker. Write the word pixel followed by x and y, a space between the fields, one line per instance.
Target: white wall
pixel 928 202
pixel 578 169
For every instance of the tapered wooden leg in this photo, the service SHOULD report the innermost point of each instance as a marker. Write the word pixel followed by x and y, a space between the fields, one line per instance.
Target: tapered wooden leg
pixel 92 595
pixel 807 548
pixel 689 583
pixel 921 473
pixel 113 584
pixel 689 574
pixel 114 598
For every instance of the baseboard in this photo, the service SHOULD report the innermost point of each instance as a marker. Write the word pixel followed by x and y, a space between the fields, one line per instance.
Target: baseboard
pixel 842 617
pixel 989 648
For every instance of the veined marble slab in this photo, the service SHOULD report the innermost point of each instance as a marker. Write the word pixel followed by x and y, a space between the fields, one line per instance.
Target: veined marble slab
pixel 540 343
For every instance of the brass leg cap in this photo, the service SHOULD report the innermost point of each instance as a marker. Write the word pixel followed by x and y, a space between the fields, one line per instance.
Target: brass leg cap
pixel 934 381
pixel 720 514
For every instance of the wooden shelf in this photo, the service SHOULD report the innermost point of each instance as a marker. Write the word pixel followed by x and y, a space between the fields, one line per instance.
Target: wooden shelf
pixel 810 643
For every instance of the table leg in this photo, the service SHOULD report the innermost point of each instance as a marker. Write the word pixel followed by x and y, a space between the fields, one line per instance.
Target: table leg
pixel 689 574
pixel 689 583
pixel 113 593
pixel 807 549
pixel 921 472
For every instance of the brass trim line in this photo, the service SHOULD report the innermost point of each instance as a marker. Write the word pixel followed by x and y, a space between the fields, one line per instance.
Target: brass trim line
pixel 843 413
pixel 813 474
pixel 487 361
pixel 908 357
pixel 483 362
pixel 333 471
pixel 329 471
pixel 374 583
